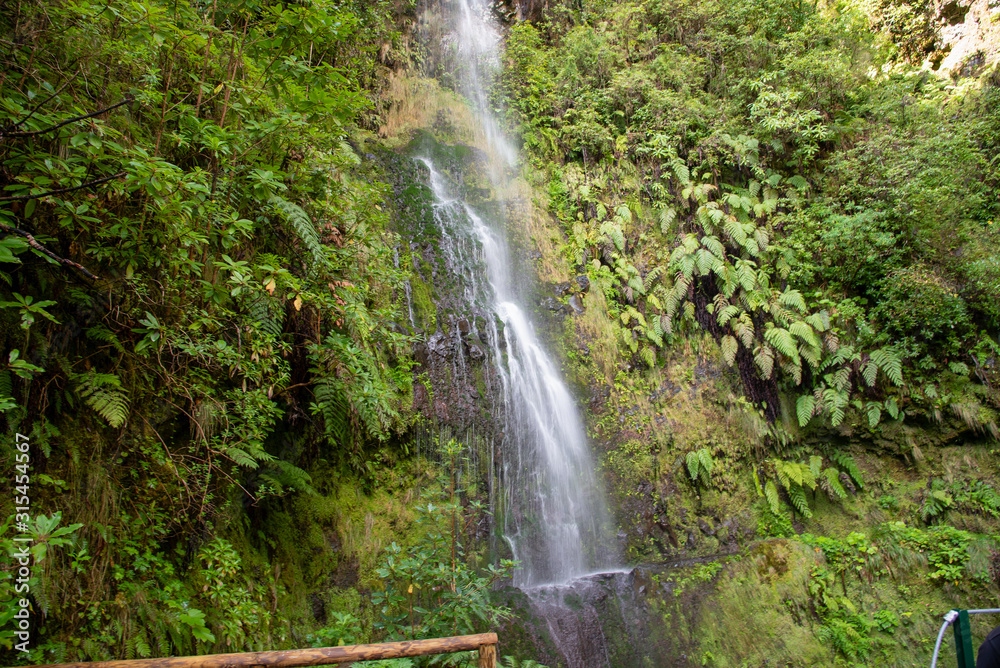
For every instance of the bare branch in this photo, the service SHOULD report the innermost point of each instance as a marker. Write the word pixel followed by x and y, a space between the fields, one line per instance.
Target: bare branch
pixel 32 133
pixel 42 249
pixel 24 198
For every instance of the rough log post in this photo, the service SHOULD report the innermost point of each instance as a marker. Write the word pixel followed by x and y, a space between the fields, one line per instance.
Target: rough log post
pixel 487 656
pixel 309 657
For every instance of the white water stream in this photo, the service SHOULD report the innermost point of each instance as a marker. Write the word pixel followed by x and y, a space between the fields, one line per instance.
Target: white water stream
pixel 549 501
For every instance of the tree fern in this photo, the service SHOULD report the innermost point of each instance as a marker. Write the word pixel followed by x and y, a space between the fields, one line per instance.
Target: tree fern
pixel 103 392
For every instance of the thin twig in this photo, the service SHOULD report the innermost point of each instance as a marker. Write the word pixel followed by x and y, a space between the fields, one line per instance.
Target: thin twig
pixel 24 198
pixel 32 133
pixel 42 249
pixel 41 104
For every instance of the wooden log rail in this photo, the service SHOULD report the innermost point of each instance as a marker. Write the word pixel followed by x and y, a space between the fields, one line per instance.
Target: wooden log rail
pixel 484 643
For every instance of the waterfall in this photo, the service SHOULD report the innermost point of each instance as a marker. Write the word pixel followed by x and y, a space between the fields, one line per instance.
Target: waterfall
pixel 553 512
pixel 550 502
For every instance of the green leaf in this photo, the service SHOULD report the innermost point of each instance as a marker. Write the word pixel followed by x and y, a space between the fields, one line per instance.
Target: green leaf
pixel 804 408
pixel 771 494
pixel 692 465
pixel 890 362
pixel 783 341
pixel 729 348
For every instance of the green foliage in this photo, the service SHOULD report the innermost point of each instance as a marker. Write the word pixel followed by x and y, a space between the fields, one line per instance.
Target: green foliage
pixel 432 590
pixel 193 252
pixel 103 392
pixel 700 465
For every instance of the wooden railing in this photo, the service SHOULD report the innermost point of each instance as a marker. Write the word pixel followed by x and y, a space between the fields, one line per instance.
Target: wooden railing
pixel 484 643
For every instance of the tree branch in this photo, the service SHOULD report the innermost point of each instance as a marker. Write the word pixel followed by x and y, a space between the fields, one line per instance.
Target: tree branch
pixel 32 133
pixel 41 104
pixel 24 198
pixel 42 249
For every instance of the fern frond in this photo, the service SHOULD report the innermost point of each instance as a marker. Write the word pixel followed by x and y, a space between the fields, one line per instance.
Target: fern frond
pixel 798 498
pixel 302 224
pixel 105 335
pixel 846 463
pixel 830 483
pixel 332 405
pixel 764 359
pixel 692 465
pixel 870 373
pixel 804 409
pixel 729 348
pixel 782 340
pixel 706 465
pixel 771 494
pixel 890 362
pixel 103 392
pixel 667 217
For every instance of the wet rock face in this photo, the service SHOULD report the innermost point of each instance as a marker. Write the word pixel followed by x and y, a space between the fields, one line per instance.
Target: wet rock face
pixel 617 620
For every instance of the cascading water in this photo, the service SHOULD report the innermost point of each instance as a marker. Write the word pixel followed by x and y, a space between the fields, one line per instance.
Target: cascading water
pixel 553 510
pixel 546 496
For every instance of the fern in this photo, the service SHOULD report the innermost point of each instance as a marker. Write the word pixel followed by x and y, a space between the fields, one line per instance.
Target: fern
pixel 798 498
pixel 105 335
pixel 693 463
pixel 792 299
pixel 764 359
pixel 707 465
pixel 667 218
pixel 846 462
pixel 303 225
pixel 890 362
pixel 332 405
pixel 782 340
pixel 771 494
pixel 870 373
pixel 103 392
pixel 874 412
pixel 614 232
pixel 815 465
pixel 648 356
pixel 729 347
pixel 829 482
pixel 804 408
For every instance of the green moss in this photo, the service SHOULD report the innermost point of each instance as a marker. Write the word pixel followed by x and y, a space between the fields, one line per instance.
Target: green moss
pixel 424 307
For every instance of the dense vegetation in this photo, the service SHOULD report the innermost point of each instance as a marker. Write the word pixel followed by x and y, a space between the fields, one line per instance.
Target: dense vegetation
pixel 781 190
pixel 199 301
pixel 789 232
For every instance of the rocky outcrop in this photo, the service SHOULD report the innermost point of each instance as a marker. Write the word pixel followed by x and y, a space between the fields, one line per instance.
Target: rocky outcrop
pixel 969 35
